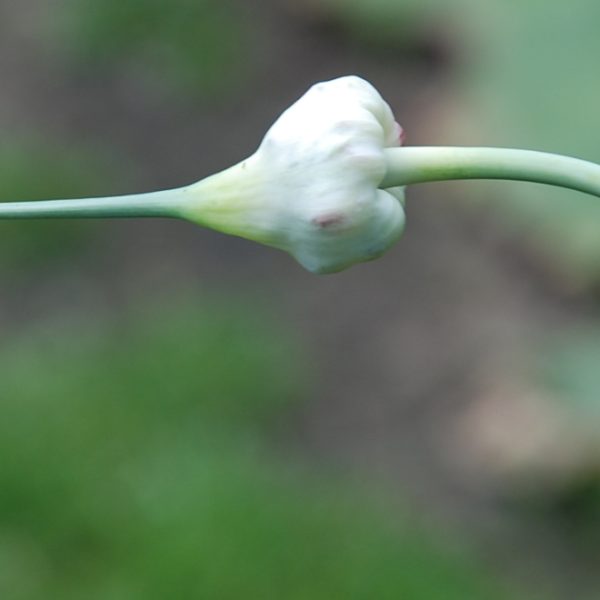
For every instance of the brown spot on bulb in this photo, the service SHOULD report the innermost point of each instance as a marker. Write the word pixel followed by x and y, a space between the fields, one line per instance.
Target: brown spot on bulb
pixel 402 136
pixel 328 221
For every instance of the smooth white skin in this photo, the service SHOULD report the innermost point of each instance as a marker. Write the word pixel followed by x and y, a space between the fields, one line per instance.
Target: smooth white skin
pixel 311 188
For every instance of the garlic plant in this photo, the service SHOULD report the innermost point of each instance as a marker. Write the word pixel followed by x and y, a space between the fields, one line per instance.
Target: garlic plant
pixel 326 183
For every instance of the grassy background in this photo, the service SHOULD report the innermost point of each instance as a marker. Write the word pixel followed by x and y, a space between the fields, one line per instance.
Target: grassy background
pixel 148 452
pixel 136 464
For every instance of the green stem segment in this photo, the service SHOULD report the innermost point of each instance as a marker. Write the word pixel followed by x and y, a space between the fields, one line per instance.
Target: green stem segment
pixel 165 203
pixel 406 166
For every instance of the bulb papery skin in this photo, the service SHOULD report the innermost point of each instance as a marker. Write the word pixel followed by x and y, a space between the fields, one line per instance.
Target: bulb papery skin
pixel 311 188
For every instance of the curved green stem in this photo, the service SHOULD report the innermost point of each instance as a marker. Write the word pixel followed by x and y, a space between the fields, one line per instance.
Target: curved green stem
pixel 166 203
pixel 437 163
pixel 405 166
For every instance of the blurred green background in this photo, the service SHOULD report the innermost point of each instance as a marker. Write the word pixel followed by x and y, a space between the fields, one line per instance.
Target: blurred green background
pixel 185 415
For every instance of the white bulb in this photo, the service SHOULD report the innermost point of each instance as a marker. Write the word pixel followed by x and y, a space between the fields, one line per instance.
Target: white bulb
pixel 311 188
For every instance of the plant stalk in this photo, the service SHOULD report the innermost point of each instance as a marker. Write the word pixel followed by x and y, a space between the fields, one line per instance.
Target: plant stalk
pixel 165 203
pixel 405 166
pixel 423 164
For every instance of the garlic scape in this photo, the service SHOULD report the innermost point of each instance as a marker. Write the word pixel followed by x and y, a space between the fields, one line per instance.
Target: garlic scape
pixel 326 183
pixel 312 187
